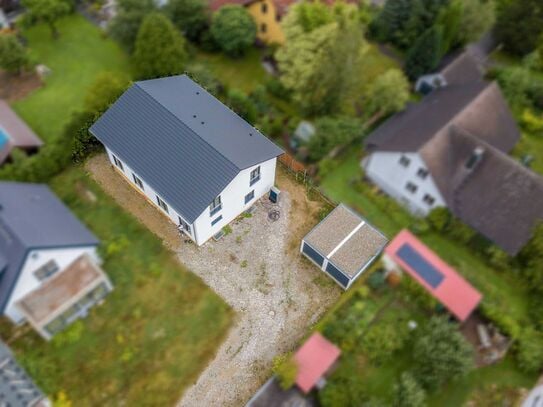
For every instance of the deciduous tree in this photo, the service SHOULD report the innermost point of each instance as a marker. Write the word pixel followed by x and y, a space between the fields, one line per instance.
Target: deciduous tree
pixel 389 93
pixel 46 11
pixel 160 48
pixel 233 29
pixel 125 25
pixel 520 25
pixel 189 16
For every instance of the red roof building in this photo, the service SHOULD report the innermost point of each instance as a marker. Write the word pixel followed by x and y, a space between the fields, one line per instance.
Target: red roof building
pixel 314 359
pixel 436 276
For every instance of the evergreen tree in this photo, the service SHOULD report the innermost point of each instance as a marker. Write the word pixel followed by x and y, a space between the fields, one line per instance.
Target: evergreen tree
pixel 520 25
pixel 160 49
pixel 125 25
pixel 189 16
pixel 233 29
pixel 424 56
pixel 450 19
pixel 13 57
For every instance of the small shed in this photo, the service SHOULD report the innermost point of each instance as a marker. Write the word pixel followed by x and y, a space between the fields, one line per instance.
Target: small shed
pixel 314 359
pixel 430 271
pixel 343 245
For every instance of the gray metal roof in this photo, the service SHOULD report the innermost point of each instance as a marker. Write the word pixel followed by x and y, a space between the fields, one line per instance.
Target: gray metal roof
pixel 17 388
pixel 32 217
pixel 181 140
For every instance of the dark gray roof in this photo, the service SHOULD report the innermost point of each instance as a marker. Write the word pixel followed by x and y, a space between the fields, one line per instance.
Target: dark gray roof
pixel 499 197
pixel 32 217
pixel 181 140
pixel 17 388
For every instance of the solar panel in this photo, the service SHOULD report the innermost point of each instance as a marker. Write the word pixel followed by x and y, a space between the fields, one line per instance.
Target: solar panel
pixel 420 266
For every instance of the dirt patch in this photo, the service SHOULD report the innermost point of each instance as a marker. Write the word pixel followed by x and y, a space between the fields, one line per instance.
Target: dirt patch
pixel 257 269
pixel 15 87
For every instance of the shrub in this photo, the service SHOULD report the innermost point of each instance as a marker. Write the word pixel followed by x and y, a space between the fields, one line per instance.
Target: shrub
pixel 529 350
pixel 70 335
pixel 461 232
pixel 13 56
pixel 277 89
pixel 233 29
pixel 189 16
pixel 382 340
pixel 240 103
pixel 332 132
pixel 124 27
pixel 439 218
pixel 408 392
pixel 201 74
pixel 285 369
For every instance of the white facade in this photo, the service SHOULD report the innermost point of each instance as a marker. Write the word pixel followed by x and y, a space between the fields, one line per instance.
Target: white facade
pixel 405 177
pixel 232 198
pixel 35 259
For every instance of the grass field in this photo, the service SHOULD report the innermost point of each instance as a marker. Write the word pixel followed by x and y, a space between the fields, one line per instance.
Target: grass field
pixel 154 333
pixel 75 59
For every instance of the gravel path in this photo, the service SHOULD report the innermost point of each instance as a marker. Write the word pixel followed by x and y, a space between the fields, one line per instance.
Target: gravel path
pixel 256 268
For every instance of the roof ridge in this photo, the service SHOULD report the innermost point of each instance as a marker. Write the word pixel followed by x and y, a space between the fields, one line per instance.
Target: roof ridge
pixel 181 121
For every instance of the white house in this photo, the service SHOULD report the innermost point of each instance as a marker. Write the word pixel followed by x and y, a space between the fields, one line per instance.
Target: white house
pixel 48 260
pixel 191 156
pixel 451 149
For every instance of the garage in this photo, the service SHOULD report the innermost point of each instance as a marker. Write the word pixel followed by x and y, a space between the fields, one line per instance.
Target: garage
pixel 343 245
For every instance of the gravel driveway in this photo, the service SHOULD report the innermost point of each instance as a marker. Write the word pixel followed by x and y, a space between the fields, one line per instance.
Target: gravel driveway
pixel 256 268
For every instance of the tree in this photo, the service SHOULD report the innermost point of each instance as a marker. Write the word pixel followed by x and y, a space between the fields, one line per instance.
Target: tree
pixel 125 25
pixel 46 11
pixel 408 392
pixel 478 17
pixel 13 56
pixel 233 29
pixel 424 56
pixel 189 16
pixel 285 369
pixel 319 67
pixel 441 354
pixel 519 25
pixel 106 89
pixel 388 94
pixel 450 18
pixel 332 132
pixel 160 48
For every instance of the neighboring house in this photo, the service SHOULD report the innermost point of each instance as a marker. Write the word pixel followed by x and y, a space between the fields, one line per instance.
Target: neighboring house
pixel 406 252
pixel 48 260
pixel 14 133
pixel 16 388
pixel 187 153
pixel 343 245
pixel 451 149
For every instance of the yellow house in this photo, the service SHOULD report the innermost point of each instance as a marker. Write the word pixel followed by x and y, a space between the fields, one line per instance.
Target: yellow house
pixel 267 15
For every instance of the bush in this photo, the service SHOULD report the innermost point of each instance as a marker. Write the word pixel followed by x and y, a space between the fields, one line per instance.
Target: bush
pixel 277 89
pixel 285 369
pixel 529 350
pixel 205 78
pixel 124 27
pixel 240 103
pixel 189 16
pixel 233 29
pixel 408 392
pixel 13 56
pixel 332 132
pixel 439 218
pixel 461 232
pixel 384 339
pixel 70 335
pixel 345 387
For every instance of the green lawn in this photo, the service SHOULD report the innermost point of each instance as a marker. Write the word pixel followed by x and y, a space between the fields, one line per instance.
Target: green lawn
pixel 531 144
pixel 154 333
pixel 80 53
pixel 243 73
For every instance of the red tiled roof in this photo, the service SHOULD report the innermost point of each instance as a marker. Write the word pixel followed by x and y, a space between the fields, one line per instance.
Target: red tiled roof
pixel 314 359
pixel 453 291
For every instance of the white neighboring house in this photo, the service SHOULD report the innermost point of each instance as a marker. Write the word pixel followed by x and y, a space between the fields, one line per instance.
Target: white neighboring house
pixel 191 156
pixel 48 260
pixel 451 149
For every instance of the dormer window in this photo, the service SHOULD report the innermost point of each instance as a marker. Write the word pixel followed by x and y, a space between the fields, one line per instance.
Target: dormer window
pixel 404 161
pixel 215 206
pixel 255 176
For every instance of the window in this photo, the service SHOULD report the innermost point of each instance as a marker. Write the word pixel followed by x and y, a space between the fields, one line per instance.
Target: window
pixel 428 199
pixel 404 161
pixel 215 206
pixel 255 176
pixel 411 187
pixel 422 173
pixel 184 225
pixel 138 182
pixel 162 204
pixel 47 270
pixel 264 8
pixel 263 28
pixel 216 220
pixel 249 196
pixel 278 18
pixel 118 162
